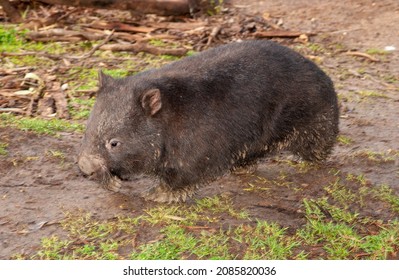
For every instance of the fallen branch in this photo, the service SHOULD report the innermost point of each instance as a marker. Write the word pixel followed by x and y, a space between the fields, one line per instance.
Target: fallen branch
pixel 365 55
pixel 19 94
pixel 197 227
pixel 98 46
pixel 12 110
pixel 118 26
pixel 59 34
pixel 140 47
pixel 212 36
pixel 183 26
pixel 281 34
pixel 40 54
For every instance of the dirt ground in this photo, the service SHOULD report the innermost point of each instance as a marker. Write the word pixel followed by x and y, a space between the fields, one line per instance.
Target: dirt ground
pixel 37 188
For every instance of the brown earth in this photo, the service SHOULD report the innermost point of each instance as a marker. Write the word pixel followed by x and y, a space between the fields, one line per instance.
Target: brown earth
pixel 37 188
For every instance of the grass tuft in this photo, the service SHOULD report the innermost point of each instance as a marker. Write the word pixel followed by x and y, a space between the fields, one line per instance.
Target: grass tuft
pixel 40 126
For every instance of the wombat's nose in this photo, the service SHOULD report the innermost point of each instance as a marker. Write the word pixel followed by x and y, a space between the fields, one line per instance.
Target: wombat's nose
pixel 89 164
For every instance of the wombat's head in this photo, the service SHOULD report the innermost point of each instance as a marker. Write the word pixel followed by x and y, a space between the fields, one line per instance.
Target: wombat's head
pixel 122 138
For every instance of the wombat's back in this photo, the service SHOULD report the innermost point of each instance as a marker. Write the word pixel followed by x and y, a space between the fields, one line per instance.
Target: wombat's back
pixel 254 67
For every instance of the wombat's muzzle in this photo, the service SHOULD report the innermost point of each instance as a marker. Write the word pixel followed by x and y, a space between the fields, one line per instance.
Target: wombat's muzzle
pixel 90 164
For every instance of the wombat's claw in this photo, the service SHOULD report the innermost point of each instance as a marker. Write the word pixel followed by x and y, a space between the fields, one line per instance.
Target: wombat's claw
pixel 244 170
pixel 166 195
pixel 114 184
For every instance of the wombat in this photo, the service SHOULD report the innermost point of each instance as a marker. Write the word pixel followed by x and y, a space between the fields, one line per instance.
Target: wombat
pixel 191 121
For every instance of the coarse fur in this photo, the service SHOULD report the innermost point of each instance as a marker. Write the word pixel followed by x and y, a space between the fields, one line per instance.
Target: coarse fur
pixel 192 120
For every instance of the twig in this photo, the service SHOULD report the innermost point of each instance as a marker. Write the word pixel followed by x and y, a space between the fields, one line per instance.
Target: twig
pixel 12 110
pixel 282 34
pixel 365 55
pixel 16 94
pixel 212 36
pixel 59 34
pixel 96 47
pixel 16 69
pixel 197 227
pixel 118 26
pixel 67 14
pixel 43 54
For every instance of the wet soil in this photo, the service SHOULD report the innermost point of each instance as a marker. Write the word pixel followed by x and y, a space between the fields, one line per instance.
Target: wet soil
pixel 37 187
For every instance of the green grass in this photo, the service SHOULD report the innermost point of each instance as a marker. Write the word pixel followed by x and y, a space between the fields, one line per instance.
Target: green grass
pixel 168 214
pixel 58 155
pixel 370 94
pixel 367 96
pixel 345 140
pixel 14 41
pixel 375 51
pixel 215 7
pixel 339 237
pixel 10 39
pixel 341 194
pixel 386 193
pixel 80 108
pixel 316 48
pixel 266 241
pixel 174 243
pixel 377 157
pixel 158 43
pixel 86 79
pixel 82 79
pixel 380 245
pixel 217 205
pixel 52 248
pixel 177 243
pixel 88 238
pixel 390 78
pixel 3 149
pixel 40 126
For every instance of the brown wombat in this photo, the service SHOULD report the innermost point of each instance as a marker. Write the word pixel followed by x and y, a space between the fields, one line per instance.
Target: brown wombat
pixel 192 120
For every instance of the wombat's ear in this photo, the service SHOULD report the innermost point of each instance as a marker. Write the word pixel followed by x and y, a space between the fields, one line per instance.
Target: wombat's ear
pixel 103 79
pixel 151 101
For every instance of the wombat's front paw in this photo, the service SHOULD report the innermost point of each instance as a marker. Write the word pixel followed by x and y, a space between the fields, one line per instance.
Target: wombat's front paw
pixel 165 194
pixel 113 184
pixel 244 170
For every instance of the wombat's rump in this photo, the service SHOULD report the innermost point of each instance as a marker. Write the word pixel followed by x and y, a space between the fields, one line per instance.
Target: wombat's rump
pixel 194 119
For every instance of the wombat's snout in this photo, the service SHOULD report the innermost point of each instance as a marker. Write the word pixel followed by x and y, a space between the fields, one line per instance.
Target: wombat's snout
pixel 90 164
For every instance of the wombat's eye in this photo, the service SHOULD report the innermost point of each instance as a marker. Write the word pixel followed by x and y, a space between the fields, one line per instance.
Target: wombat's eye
pixel 113 143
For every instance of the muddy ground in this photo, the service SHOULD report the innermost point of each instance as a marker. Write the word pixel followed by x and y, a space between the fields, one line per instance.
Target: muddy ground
pixel 37 188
